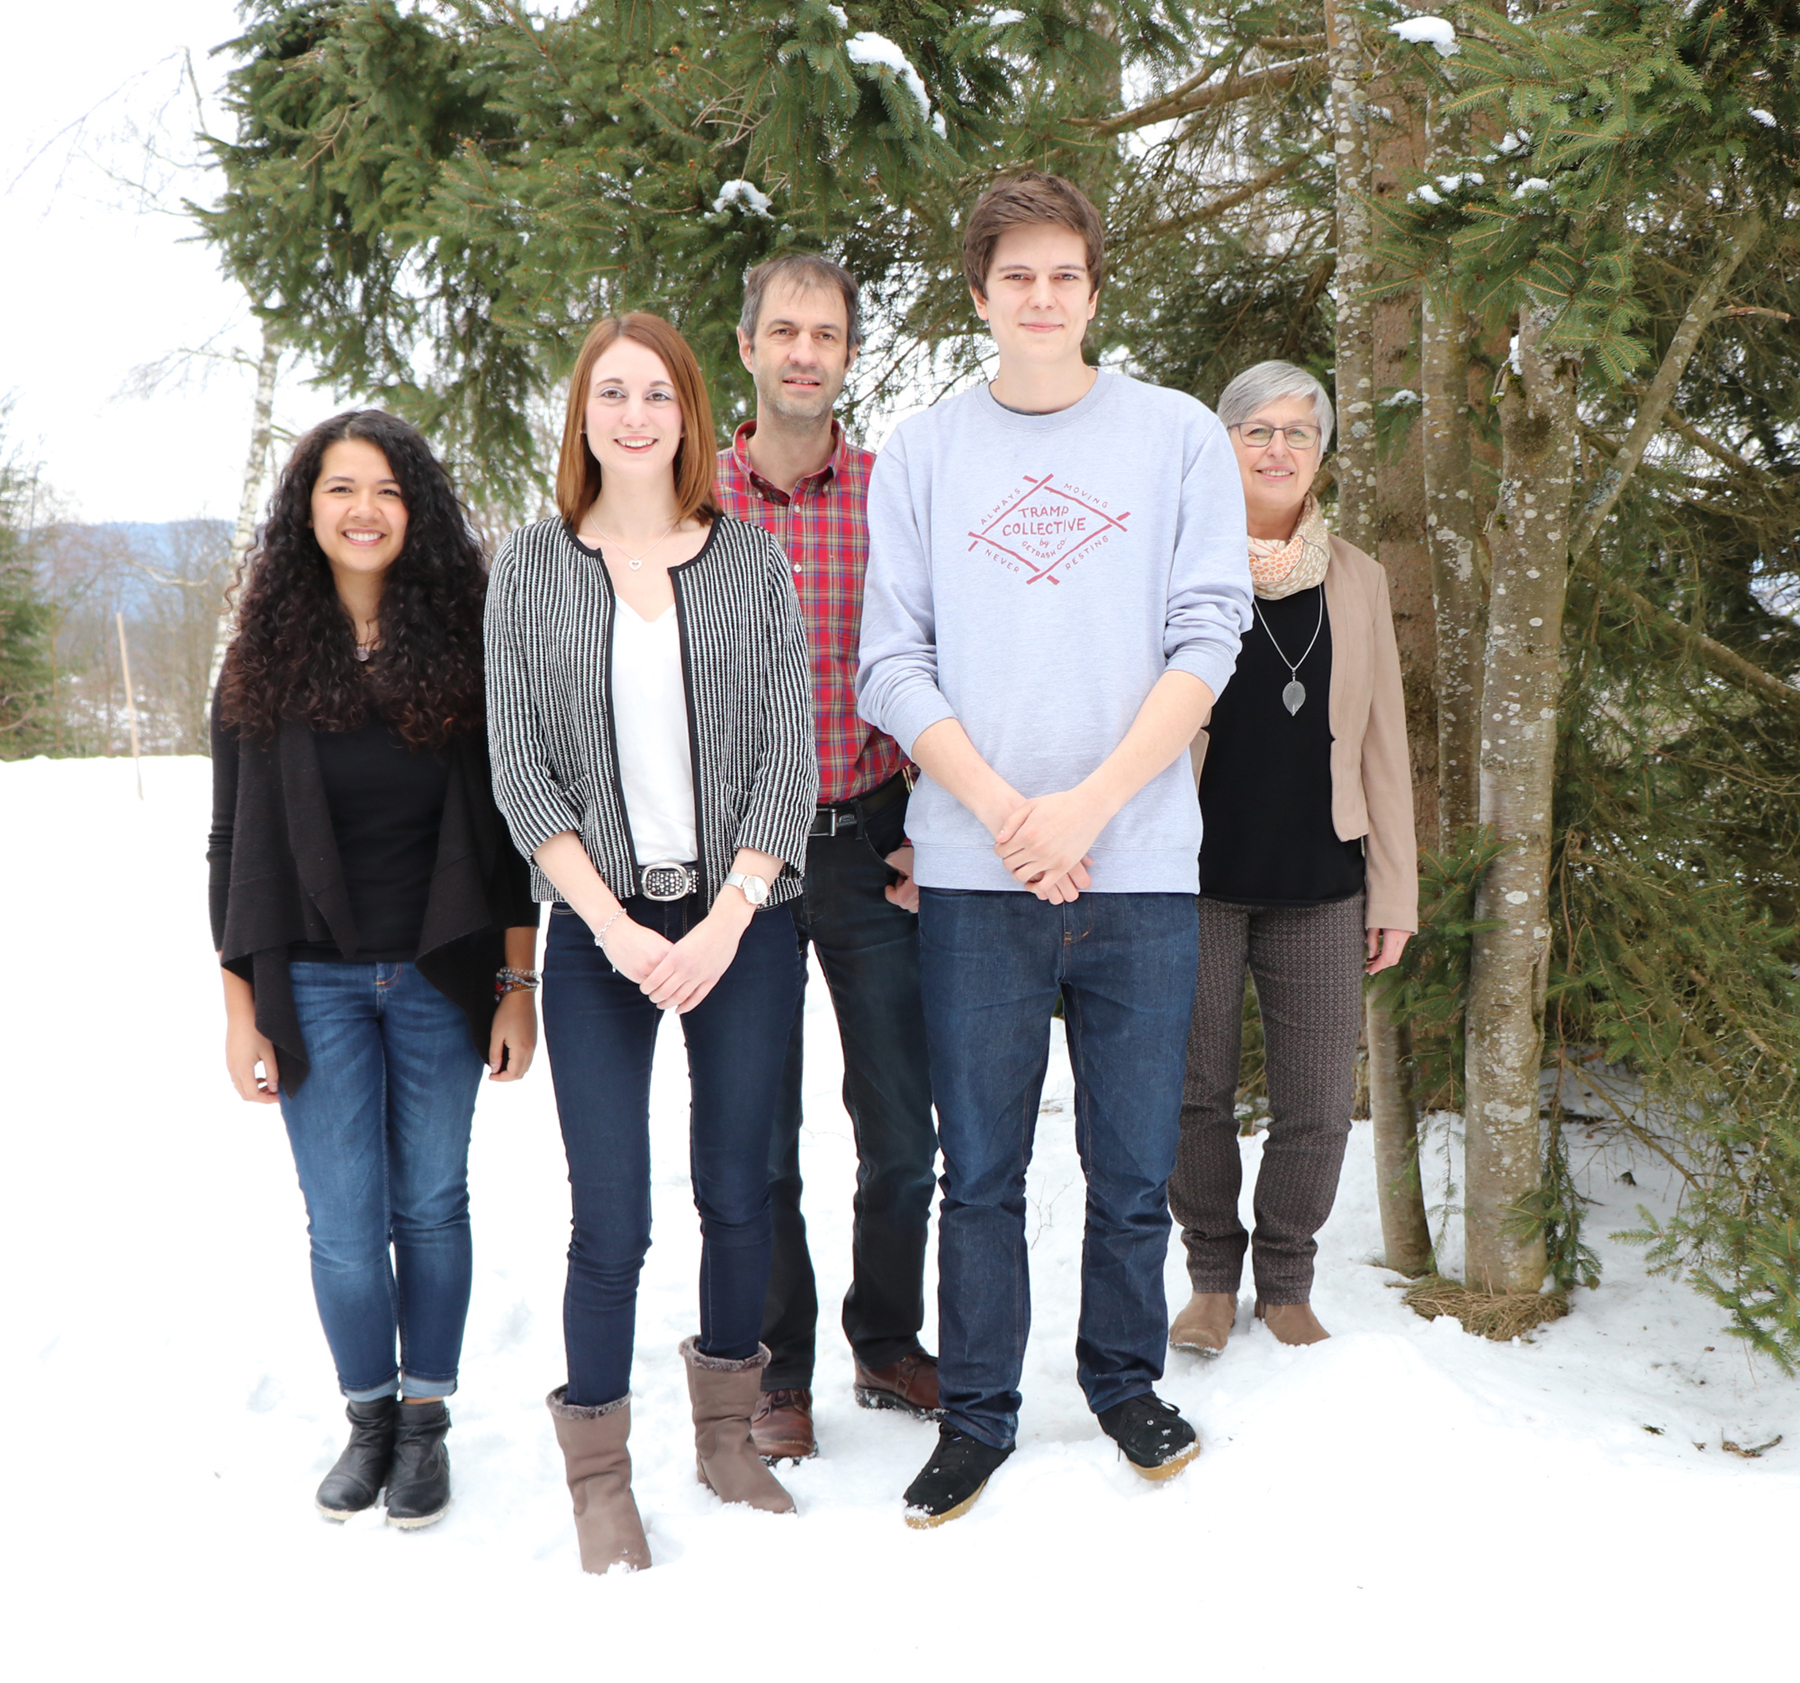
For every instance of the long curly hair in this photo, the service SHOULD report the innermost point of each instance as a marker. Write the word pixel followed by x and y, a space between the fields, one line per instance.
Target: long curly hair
pixel 294 655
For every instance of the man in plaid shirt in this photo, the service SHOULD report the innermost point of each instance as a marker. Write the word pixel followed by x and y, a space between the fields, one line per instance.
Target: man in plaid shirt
pixel 793 472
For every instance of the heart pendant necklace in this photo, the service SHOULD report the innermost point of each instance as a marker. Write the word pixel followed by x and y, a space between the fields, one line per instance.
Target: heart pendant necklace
pixel 636 562
pixel 1293 692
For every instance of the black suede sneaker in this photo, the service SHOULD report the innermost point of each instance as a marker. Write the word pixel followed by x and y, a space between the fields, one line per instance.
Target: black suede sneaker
pixel 955 1475
pixel 1154 1438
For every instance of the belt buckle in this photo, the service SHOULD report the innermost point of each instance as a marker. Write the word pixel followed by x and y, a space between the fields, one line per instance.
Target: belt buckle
pixel 666 881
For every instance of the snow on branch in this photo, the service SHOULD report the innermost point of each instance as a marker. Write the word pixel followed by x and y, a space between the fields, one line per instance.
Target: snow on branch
pixel 744 193
pixel 869 48
pixel 1428 31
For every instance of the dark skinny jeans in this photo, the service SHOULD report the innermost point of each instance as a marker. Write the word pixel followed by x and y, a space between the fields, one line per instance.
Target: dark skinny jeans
pixel 600 1032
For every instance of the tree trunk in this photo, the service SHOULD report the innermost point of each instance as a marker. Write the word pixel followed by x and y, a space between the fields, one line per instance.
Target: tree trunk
pixel 1385 499
pixel 1400 1193
pixel 1453 531
pixel 1520 690
pixel 1357 512
pixel 256 463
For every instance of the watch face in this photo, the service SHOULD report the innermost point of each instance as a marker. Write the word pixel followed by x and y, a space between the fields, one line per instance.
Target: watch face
pixel 756 891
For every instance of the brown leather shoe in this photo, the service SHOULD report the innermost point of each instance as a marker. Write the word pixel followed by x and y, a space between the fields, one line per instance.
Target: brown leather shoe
pixel 910 1385
pixel 781 1425
pixel 1292 1323
pixel 1205 1324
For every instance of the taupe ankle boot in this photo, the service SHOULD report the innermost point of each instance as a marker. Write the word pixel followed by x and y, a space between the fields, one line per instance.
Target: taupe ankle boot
pixel 607 1525
pixel 1292 1323
pixel 1205 1324
pixel 723 1394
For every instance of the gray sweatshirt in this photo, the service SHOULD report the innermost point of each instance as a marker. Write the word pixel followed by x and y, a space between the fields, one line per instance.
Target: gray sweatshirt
pixel 1033 576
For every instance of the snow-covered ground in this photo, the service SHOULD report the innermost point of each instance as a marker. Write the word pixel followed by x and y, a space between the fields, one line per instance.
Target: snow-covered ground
pixel 1404 1499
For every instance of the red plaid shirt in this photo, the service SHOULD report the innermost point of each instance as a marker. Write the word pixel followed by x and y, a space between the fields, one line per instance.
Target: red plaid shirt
pixel 823 527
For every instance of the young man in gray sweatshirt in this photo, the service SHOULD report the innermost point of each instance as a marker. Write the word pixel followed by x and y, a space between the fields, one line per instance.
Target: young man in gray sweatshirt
pixel 1057 584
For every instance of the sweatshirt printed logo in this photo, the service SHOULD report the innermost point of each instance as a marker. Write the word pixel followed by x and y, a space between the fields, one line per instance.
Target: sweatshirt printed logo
pixel 1043 528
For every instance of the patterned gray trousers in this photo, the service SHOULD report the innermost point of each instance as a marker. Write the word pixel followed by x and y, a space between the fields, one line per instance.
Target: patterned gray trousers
pixel 1306 963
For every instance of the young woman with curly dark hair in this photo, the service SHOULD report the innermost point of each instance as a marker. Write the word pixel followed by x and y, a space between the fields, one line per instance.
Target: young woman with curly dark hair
pixel 375 927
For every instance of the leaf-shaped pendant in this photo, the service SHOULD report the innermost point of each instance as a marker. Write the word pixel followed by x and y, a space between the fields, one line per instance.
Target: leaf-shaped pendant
pixel 1293 695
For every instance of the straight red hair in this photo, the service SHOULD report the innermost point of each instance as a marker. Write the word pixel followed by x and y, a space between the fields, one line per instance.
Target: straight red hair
pixel 696 457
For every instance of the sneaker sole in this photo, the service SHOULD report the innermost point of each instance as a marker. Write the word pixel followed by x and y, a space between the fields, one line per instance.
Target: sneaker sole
pixel 921 1521
pixel 340 1514
pixel 868 1396
pixel 1165 1469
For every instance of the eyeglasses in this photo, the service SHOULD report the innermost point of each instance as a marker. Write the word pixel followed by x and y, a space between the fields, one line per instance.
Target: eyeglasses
pixel 1259 437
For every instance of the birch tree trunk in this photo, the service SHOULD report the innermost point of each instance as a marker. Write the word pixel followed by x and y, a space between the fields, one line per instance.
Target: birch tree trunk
pixel 256 463
pixel 1520 690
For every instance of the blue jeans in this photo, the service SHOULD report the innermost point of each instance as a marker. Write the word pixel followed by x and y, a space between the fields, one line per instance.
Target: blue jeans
pixel 380 1132
pixel 869 951
pixel 992 965
pixel 600 1032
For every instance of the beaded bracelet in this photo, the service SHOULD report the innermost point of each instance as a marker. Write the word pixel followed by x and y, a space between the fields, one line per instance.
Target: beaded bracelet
pixel 509 980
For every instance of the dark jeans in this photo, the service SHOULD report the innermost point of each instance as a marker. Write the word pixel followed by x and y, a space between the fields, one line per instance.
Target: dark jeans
pixel 380 1132
pixel 600 1032
pixel 869 952
pixel 1307 964
pixel 992 966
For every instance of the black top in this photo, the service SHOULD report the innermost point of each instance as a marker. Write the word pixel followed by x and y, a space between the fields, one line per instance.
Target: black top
pixel 277 880
pixel 387 803
pixel 1265 786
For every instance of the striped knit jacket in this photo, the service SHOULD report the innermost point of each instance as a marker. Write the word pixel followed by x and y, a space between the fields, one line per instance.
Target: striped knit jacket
pixel 551 736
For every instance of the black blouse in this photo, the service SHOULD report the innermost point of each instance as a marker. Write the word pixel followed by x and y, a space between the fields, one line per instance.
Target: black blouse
pixel 1265 786
pixel 387 805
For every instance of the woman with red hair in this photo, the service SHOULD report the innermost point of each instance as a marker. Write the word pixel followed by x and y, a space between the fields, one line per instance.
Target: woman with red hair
pixel 650 725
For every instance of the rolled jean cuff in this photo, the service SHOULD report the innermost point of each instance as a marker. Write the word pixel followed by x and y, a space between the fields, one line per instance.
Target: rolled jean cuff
pixel 387 1388
pixel 412 1385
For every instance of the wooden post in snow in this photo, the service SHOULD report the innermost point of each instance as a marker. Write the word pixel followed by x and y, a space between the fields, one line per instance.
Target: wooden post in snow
pixel 130 704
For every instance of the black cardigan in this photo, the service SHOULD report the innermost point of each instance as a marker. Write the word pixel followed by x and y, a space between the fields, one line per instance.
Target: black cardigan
pixel 275 880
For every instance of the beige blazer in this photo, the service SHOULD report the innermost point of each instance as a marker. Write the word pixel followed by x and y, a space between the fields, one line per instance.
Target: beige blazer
pixel 1371 772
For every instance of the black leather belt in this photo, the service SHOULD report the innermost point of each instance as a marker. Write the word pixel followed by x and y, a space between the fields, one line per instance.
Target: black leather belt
pixel 835 818
pixel 667 881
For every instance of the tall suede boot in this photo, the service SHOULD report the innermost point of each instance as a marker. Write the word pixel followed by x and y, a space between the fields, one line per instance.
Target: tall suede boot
pixel 723 1394
pixel 598 1464
pixel 361 1471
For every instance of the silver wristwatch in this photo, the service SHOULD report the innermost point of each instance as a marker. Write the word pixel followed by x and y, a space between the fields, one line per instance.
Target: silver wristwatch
pixel 753 889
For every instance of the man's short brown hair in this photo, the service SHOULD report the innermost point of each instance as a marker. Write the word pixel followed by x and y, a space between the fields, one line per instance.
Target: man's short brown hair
pixel 1029 198
pixel 805 268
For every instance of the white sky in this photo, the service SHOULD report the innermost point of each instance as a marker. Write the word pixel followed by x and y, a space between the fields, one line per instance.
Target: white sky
pixel 97 280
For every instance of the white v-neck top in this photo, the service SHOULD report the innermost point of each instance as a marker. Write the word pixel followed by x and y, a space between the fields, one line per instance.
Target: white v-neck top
pixel 656 762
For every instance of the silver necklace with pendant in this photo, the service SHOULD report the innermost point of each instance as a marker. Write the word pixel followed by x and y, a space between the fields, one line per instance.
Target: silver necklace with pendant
pixel 1293 692
pixel 636 562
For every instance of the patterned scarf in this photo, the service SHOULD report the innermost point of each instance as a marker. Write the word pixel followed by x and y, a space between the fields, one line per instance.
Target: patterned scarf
pixel 1280 568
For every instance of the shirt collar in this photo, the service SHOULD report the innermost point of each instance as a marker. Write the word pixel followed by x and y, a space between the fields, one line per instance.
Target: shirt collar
pixel 812 485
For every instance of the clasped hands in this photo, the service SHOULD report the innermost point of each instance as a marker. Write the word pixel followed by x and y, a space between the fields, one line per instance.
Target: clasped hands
pixel 677 975
pixel 1044 841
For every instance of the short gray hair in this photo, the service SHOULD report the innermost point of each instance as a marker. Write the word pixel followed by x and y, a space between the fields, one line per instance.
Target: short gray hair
pixel 808 269
pixel 1267 381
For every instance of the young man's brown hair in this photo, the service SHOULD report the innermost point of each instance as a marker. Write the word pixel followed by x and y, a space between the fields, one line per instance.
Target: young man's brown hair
pixel 1029 198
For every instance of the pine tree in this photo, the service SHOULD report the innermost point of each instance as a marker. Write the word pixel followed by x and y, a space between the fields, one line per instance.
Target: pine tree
pixel 26 619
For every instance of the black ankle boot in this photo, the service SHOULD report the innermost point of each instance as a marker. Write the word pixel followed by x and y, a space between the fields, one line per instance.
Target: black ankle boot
pixel 419 1480
pixel 356 1480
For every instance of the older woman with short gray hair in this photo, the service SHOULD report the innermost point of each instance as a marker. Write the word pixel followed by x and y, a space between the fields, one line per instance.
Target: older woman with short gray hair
pixel 1308 871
